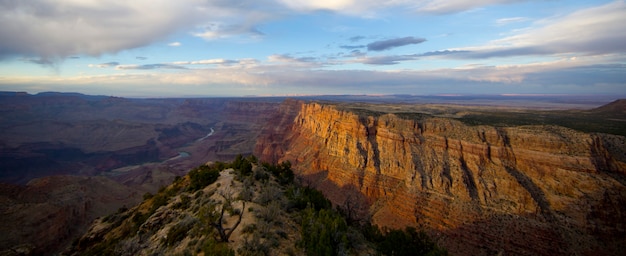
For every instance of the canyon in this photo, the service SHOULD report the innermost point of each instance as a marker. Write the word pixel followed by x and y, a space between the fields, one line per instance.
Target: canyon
pixel 479 178
pixel 66 158
pixel 479 189
pixel 74 134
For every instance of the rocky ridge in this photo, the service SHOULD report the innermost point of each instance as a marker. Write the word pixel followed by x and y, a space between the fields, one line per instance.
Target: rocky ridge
pixel 522 190
pixel 183 218
pixel 122 147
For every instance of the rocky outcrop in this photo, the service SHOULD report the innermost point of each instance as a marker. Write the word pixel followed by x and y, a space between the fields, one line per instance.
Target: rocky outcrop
pixel 526 190
pixel 178 220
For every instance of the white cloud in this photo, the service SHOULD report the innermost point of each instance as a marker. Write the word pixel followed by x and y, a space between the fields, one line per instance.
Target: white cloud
pixel 174 44
pixel 104 65
pixel 384 60
pixel 90 27
pixel 218 30
pixel 206 62
pixel 334 5
pixel 369 8
pixel 575 43
pixel 506 21
pixel 285 61
pixel 452 6
pixel 148 66
pixel 283 74
pixel 592 31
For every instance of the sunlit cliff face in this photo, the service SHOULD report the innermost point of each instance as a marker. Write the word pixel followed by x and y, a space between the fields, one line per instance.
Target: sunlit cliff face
pixel 484 189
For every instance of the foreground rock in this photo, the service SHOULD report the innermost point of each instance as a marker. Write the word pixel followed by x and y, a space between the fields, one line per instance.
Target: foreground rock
pixel 180 219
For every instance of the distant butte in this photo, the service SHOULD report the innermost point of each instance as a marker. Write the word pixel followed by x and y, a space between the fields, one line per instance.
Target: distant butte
pixel 615 107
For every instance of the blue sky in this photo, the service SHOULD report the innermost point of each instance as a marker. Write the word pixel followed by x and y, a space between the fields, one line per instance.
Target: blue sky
pixel 164 48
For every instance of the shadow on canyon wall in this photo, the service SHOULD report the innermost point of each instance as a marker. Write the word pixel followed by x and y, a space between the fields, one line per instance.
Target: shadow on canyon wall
pixel 546 232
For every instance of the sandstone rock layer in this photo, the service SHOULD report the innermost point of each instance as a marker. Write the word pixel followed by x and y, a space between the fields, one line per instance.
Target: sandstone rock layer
pixel 482 190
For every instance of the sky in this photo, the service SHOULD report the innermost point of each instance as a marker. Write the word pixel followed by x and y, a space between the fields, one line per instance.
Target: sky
pixel 198 48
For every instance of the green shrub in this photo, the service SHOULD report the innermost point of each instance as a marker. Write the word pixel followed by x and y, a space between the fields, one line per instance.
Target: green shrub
pixel 261 174
pixel 214 248
pixel 157 201
pixel 242 165
pixel 108 218
pixel 254 247
pixel 249 229
pixel 202 176
pixel 176 233
pixel 323 232
pixel 270 213
pixel 401 242
pixel 268 194
pixel 147 196
pixel 282 234
pixel 185 202
pixel 301 197
pixel 282 172
pixel 138 219
pixel 122 209
pixel 198 194
pixel 408 242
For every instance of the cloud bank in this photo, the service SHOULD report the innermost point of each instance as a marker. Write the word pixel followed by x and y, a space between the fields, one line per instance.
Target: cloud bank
pixel 452 6
pixel 104 65
pixel 583 49
pixel 592 31
pixel 93 28
pixel 149 66
pixel 393 43
pixel 51 29
pixel 282 77
pixel 55 29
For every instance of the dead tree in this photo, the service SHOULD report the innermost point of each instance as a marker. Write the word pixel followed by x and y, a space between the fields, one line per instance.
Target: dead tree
pixel 224 233
pixel 353 208
pixel 216 220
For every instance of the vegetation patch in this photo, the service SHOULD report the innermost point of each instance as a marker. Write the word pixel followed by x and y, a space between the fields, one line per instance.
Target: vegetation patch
pixel 584 121
pixel 283 218
pixel 202 176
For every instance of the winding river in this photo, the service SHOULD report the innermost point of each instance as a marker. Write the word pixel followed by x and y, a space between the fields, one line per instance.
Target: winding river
pixel 208 135
pixel 181 154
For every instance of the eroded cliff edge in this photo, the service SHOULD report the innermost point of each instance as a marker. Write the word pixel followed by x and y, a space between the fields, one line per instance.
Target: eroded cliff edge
pixel 526 190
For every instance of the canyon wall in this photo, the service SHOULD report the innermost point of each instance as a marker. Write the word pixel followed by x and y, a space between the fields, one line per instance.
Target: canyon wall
pixel 45 215
pixel 480 190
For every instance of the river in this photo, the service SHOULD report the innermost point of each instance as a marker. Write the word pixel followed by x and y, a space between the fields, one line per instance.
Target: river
pixel 208 135
pixel 181 154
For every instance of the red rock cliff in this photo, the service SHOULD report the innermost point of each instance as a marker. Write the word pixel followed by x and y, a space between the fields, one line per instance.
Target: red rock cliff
pixel 530 190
